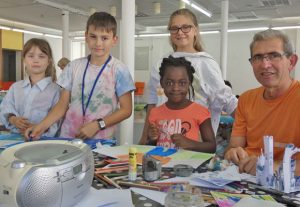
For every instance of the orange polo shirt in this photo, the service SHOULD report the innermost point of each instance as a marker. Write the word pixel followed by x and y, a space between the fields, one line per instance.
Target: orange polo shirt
pixel 256 117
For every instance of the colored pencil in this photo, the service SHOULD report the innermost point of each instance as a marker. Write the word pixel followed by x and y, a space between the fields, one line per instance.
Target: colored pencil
pixel 107 180
pixel 111 169
pixel 137 185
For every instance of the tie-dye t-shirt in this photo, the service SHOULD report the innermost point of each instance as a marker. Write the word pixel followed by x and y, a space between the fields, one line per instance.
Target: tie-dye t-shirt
pixel 114 81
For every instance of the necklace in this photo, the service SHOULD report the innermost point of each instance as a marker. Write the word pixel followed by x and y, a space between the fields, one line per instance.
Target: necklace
pixel 83 105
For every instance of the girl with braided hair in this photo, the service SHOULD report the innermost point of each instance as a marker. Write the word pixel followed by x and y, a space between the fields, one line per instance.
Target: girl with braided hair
pixel 177 123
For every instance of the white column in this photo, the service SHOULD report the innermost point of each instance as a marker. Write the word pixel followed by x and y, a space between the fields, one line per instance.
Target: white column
pixel 224 37
pixel 127 56
pixel 65 34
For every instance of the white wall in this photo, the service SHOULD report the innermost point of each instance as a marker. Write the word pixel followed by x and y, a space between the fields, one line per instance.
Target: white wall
pixel 157 48
pixel 77 49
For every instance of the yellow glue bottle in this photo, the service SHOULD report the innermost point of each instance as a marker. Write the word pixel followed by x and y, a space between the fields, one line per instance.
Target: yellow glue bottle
pixel 132 174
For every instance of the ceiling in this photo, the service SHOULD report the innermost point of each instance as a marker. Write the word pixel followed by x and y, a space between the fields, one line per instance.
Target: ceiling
pixel 36 16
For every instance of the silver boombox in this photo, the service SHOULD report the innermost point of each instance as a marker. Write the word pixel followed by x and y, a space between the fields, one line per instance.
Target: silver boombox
pixel 45 173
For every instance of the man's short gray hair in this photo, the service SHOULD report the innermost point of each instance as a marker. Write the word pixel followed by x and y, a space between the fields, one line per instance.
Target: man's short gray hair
pixel 270 34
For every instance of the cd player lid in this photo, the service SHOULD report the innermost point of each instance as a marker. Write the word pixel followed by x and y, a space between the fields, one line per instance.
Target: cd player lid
pixel 48 153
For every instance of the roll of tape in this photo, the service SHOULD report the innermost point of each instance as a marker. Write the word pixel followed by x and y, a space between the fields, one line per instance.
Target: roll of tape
pixel 183 170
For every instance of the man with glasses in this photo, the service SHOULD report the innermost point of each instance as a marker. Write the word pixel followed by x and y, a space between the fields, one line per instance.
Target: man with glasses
pixel 272 109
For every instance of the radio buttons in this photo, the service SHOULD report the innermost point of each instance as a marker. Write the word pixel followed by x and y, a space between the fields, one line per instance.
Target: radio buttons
pixel 66 174
pixel 18 164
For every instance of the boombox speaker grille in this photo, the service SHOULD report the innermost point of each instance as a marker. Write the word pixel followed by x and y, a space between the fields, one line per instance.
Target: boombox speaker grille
pixel 40 188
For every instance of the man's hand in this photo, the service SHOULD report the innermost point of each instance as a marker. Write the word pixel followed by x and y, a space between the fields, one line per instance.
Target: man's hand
pixel 248 165
pixel 88 130
pixel 236 154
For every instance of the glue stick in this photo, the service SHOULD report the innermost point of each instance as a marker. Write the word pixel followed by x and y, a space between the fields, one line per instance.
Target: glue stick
pixel 132 164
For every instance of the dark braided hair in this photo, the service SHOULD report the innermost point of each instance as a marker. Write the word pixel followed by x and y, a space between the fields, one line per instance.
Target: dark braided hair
pixel 178 62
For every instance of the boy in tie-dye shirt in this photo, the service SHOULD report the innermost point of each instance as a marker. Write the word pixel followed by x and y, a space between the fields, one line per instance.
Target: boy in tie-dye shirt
pixel 97 89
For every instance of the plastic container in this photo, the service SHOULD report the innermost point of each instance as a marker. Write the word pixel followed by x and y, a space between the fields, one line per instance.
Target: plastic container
pixel 182 195
pixel 139 88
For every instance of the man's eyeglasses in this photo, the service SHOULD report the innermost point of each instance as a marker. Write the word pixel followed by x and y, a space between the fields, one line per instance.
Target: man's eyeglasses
pixel 183 28
pixel 272 57
pixel 181 83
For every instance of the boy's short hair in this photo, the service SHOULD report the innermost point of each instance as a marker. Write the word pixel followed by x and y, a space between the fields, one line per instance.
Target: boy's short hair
pixel 102 20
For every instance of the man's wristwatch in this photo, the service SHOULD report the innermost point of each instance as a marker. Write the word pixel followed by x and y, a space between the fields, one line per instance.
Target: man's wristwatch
pixel 101 124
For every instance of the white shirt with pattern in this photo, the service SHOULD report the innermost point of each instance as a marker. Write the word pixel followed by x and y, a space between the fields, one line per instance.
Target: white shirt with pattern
pixel 114 81
pixel 32 102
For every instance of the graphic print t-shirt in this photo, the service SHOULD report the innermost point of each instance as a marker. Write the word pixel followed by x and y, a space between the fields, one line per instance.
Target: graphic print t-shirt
pixel 184 121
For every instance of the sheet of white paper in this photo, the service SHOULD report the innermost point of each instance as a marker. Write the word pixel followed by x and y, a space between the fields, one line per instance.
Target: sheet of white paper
pixel 151 194
pixel 175 179
pixel 111 151
pixel 155 195
pixel 248 177
pixel 231 173
pixel 192 181
pixel 121 150
pixel 97 198
pixel 252 202
pixel 193 162
pixel 202 183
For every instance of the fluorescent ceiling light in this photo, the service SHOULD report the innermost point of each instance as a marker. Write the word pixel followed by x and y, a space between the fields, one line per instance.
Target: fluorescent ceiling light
pixel 54 36
pixel 30 32
pixel 248 29
pixel 287 27
pixel 154 35
pixel 156 7
pixel 5 28
pixel 79 38
pixel 202 10
pixel 209 32
pixel 198 7
pixel 26 31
